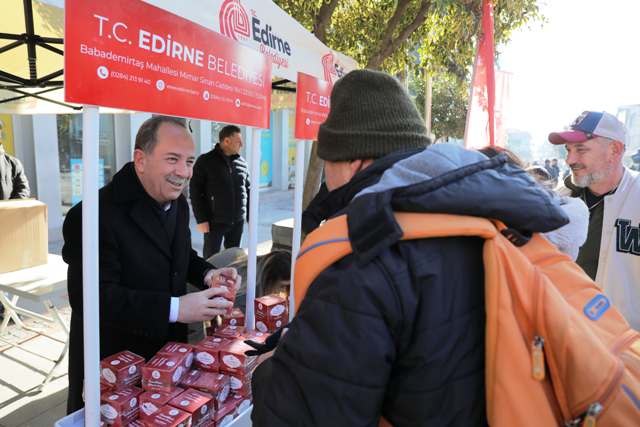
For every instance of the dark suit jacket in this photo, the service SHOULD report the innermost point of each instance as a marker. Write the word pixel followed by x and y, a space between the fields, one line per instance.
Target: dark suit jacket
pixel 13 181
pixel 140 270
pixel 219 188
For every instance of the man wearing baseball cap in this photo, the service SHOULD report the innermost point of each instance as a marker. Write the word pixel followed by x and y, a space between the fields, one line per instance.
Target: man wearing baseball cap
pixel 595 146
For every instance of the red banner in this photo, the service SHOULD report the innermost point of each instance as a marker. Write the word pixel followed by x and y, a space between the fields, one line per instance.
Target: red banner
pixel 480 128
pixel 128 54
pixel 312 106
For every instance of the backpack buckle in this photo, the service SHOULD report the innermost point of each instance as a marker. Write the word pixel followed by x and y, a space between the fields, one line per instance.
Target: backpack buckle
pixel 514 236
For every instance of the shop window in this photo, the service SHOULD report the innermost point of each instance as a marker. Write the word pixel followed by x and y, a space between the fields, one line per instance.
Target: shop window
pixel 70 155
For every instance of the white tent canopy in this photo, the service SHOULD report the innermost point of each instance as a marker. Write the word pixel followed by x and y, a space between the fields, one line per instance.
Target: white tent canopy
pixel 263 26
pixel 276 31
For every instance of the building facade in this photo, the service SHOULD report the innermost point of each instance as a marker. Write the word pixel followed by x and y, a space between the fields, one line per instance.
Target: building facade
pixel 50 148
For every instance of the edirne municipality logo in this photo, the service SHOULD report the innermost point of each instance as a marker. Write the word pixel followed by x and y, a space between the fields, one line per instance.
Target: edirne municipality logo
pixel 234 21
pixel 237 24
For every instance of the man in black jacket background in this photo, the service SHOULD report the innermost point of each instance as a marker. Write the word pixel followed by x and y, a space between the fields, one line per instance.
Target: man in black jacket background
pixel 13 181
pixel 219 192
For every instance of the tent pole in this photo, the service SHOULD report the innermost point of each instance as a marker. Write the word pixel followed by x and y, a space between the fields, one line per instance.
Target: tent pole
pixel 90 276
pixel 297 219
pixel 254 200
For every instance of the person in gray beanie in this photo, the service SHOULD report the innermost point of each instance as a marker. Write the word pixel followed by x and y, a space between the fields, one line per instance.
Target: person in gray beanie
pixel 396 328
pixel 371 117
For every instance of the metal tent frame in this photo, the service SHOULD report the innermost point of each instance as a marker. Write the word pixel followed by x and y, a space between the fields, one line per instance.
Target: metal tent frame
pixel 42 85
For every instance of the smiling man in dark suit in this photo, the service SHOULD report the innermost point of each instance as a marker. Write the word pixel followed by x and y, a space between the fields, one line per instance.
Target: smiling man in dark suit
pixel 146 257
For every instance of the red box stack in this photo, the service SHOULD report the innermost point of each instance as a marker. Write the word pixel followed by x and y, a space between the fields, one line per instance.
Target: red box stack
pixel 198 404
pixel 208 353
pixel 168 416
pixel 162 373
pixel 120 407
pixel 121 369
pixel 225 414
pixel 228 332
pixel 215 384
pixel 234 361
pixel 151 401
pixel 272 313
pixel 236 318
pixel 178 349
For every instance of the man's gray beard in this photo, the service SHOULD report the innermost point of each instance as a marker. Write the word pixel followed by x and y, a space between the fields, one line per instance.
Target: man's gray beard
pixel 587 180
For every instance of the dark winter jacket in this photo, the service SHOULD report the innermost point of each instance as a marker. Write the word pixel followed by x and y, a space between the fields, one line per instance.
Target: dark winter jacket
pixel 13 181
pixel 397 328
pixel 141 268
pixel 219 188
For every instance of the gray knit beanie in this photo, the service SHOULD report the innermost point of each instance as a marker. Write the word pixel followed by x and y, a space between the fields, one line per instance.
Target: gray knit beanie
pixel 371 116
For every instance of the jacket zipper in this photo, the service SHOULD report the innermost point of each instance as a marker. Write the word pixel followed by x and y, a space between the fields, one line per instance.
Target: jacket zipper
pixel 537 343
pixel 591 413
pixel 593 410
pixel 537 358
pixel 538 368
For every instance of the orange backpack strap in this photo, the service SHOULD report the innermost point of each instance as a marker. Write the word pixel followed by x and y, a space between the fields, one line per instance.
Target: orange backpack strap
pixel 330 242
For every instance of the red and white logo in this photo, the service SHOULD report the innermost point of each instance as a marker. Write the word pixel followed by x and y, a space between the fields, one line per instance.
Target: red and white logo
pixel 234 21
pixel 332 68
pixel 328 67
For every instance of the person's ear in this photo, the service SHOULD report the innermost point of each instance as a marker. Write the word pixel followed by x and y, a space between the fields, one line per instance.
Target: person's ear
pixel 139 159
pixel 355 166
pixel 617 148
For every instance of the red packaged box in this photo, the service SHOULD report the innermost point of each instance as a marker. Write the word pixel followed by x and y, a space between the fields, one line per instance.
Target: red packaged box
pixel 267 326
pixel 121 369
pixel 151 401
pixel 118 408
pixel 240 385
pixel 189 379
pixel 236 318
pixel 233 359
pixel 178 349
pixel 135 423
pixel 257 336
pixel 168 416
pixel 198 404
pixel 229 332
pixel 231 291
pixel 229 295
pixel 272 313
pixel 207 353
pixel 242 403
pixel 162 373
pixel 104 387
pixel 225 414
pixel 212 383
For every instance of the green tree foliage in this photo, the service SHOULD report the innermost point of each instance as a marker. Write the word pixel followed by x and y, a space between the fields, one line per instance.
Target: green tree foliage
pixel 384 34
pixel 433 36
pixel 450 97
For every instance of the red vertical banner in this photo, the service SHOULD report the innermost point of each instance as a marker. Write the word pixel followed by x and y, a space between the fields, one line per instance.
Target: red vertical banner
pixel 312 106
pixel 480 128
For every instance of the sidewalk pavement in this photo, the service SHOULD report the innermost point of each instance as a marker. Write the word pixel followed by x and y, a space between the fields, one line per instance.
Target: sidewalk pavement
pixel 22 371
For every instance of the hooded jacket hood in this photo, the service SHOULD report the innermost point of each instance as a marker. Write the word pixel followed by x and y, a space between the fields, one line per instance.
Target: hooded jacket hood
pixel 449 179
